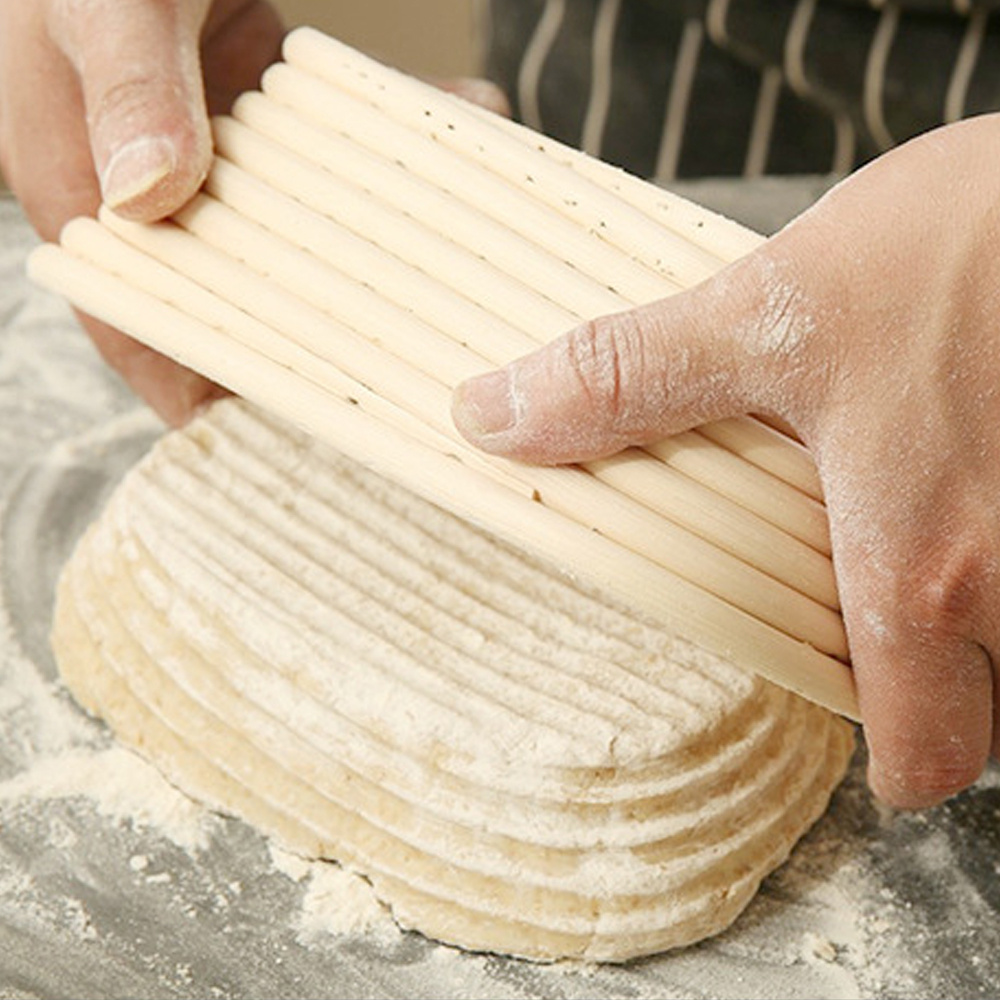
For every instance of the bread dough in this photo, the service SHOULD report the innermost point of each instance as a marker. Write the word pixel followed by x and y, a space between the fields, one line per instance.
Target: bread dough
pixel 514 763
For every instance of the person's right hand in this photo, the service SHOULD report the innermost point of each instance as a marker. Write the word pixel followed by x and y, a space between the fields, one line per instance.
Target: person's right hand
pixel 870 326
pixel 109 100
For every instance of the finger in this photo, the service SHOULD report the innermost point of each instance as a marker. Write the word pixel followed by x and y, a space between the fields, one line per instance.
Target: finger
pixel 479 91
pixel 241 39
pixel 725 347
pixel 174 392
pixel 919 622
pixel 43 142
pixel 140 73
pixel 46 160
pixel 928 711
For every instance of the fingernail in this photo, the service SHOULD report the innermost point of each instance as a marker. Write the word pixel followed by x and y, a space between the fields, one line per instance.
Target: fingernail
pixel 137 168
pixel 485 405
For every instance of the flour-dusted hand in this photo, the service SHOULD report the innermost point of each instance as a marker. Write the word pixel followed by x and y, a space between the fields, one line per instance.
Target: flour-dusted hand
pixel 110 99
pixel 870 324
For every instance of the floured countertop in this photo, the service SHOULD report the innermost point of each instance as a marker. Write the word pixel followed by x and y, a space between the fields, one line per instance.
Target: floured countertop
pixel 113 884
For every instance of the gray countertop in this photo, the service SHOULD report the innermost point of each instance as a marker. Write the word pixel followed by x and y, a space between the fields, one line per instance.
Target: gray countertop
pixel 112 885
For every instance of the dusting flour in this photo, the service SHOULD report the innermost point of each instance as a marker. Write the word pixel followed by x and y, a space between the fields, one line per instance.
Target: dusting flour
pixel 871 904
pixel 122 787
pixel 125 789
pixel 334 902
pixel 841 919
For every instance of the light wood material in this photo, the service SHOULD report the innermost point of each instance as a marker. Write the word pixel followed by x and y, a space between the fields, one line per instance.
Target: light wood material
pixel 365 242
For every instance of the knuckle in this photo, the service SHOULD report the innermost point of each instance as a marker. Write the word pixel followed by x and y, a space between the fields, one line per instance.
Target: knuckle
pixel 949 777
pixel 128 97
pixel 608 359
pixel 947 594
pixel 930 781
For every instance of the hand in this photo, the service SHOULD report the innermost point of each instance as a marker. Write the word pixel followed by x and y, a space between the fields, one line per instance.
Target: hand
pixel 870 324
pixel 110 98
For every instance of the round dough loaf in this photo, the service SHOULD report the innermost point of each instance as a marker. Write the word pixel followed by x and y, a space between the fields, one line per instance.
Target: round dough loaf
pixel 515 764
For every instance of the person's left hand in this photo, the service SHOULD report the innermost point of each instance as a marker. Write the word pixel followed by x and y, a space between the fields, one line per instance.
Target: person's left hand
pixel 109 100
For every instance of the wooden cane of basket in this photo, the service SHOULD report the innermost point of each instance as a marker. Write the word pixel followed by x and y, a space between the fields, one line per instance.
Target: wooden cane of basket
pixel 364 242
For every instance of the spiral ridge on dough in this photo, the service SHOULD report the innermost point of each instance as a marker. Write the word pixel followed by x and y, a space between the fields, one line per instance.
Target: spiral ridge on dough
pixel 513 761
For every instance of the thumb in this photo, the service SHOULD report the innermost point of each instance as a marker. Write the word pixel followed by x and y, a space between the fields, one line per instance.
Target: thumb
pixel 729 346
pixel 140 74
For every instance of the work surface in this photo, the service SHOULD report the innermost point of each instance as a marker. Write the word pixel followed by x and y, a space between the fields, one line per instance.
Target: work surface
pixel 112 884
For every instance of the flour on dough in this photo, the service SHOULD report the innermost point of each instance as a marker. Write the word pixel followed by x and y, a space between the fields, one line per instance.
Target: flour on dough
pixel 514 763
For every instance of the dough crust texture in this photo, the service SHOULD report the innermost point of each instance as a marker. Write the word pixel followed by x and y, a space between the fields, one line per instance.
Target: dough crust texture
pixel 515 763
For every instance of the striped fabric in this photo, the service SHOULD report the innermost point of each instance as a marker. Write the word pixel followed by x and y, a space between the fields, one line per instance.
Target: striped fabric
pixel 692 88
